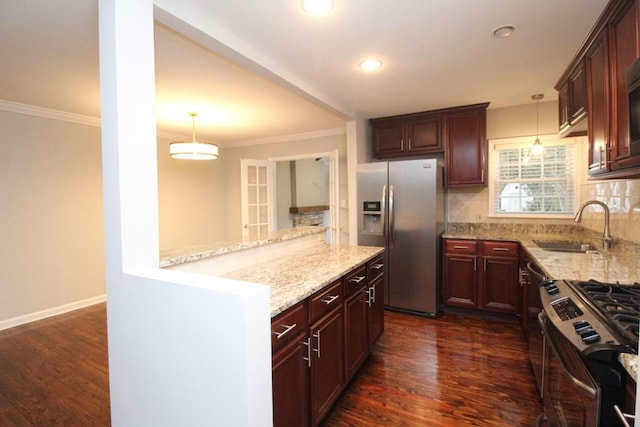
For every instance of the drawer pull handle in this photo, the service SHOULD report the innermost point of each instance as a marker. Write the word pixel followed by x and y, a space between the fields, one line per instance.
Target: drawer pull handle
pixel 460 247
pixel 357 279
pixel 330 299
pixel 317 350
pixel 377 266
pixel 308 358
pixel 500 249
pixel 287 329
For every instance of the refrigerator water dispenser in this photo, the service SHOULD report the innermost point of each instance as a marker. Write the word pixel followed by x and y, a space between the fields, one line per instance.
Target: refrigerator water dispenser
pixel 371 218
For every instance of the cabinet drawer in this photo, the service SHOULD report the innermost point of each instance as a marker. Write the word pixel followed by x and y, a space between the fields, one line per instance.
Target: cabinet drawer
pixel 324 301
pixel 375 268
pixel 355 280
pixel 287 325
pixel 461 247
pixel 500 248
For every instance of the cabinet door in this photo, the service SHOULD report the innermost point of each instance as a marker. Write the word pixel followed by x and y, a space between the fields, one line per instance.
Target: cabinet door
pixel 578 95
pixel 290 382
pixel 460 280
pixel 624 50
pixel 376 310
pixel 327 364
pixel 388 138
pixel 466 147
pixel 356 340
pixel 423 134
pixel 597 63
pixel 500 284
pixel 563 107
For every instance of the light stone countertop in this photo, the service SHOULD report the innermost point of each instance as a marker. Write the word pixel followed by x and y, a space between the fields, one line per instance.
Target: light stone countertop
pixel 620 264
pixel 172 257
pixel 295 277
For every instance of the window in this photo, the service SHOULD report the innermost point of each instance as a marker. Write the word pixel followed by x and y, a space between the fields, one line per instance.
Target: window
pixel 535 185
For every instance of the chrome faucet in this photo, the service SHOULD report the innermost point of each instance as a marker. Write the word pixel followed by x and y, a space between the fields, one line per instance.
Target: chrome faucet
pixel 606 236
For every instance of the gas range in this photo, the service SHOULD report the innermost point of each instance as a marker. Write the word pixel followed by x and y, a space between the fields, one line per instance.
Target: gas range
pixel 601 320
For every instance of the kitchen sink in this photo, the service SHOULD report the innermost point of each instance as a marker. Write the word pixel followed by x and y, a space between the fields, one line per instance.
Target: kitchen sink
pixel 565 246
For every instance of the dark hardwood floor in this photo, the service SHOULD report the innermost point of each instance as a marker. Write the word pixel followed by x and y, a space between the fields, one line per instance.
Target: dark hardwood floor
pixel 453 371
pixel 54 372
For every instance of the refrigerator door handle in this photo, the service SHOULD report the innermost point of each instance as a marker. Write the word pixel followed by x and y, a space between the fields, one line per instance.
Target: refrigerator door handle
pixel 392 223
pixel 383 204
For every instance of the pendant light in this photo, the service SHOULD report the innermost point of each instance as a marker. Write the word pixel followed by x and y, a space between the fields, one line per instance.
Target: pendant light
pixel 193 150
pixel 537 145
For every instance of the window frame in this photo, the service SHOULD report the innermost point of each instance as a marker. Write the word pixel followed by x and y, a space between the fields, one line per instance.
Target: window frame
pixel 528 141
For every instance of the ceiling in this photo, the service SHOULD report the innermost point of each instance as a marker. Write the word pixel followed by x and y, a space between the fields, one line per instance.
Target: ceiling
pixel 263 69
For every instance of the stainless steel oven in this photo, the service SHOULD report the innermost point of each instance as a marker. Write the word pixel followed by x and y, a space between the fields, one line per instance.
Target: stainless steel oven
pixel 571 395
pixel 586 325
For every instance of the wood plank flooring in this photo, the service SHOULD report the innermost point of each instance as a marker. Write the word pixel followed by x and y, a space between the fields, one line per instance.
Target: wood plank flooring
pixel 453 371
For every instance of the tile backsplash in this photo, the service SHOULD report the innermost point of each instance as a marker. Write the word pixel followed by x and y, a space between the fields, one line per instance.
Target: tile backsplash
pixel 470 205
pixel 623 199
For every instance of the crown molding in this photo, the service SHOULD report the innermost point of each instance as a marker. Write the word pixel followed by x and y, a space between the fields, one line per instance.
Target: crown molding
pixel 48 113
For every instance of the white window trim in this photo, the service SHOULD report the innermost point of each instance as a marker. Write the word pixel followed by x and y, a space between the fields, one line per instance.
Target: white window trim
pixel 520 141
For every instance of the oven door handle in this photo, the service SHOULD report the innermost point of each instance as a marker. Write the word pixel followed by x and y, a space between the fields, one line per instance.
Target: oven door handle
pixel 593 393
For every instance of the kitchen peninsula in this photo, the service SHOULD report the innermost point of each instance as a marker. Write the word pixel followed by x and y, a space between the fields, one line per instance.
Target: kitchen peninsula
pixel 327 310
pixel 294 263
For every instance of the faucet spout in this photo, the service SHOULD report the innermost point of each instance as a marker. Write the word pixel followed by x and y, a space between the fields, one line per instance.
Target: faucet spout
pixel 606 235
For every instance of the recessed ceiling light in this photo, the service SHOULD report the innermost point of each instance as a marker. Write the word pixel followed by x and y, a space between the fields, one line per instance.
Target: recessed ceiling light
pixel 317 7
pixel 503 32
pixel 370 64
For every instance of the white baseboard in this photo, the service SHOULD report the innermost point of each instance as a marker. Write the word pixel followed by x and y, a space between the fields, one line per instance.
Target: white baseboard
pixel 54 311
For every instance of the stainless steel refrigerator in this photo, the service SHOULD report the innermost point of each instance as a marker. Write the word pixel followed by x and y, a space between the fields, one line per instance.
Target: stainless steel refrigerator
pixel 402 207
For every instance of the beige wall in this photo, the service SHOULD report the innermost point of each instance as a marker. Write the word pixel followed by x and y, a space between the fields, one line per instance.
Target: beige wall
pixel 51 220
pixel 232 158
pixel 192 200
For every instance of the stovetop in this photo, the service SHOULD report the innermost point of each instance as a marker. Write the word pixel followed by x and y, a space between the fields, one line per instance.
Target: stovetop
pixel 600 320
pixel 619 304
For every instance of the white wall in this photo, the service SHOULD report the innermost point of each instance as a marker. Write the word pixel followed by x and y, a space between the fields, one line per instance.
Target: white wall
pixel 51 219
pixel 312 182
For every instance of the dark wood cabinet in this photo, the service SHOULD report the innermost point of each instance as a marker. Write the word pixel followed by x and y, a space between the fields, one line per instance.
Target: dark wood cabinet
pixel 597 63
pixel 500 276
pixel 290 379
pixel 481 275
pixel 290 367
pixel 406 135
pixel 572 102
pixel 327 365
pixel 610 48
pixel 356 339
pixel 319 344
pixel 466 146
pixel 461 273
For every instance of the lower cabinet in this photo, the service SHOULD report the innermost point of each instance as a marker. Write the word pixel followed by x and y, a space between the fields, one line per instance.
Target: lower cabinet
pixel 327 364
pixel 482 275
pixel 319 344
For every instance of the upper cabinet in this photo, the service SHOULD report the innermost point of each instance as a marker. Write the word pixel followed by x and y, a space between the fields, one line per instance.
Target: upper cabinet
pixel 407 135
pixel 459 132
pixel 602 62
pixel 572 101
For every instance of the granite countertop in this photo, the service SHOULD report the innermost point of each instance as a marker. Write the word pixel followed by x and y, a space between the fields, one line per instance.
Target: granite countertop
pixel 618 264
pixel 179 256
pixel 295 277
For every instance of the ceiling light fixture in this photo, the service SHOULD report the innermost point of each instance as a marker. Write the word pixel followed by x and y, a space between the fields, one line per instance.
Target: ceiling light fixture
pixel 193 150
pixel 317 7
pixel 503 32
pixel 537 145
pixel 370 64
